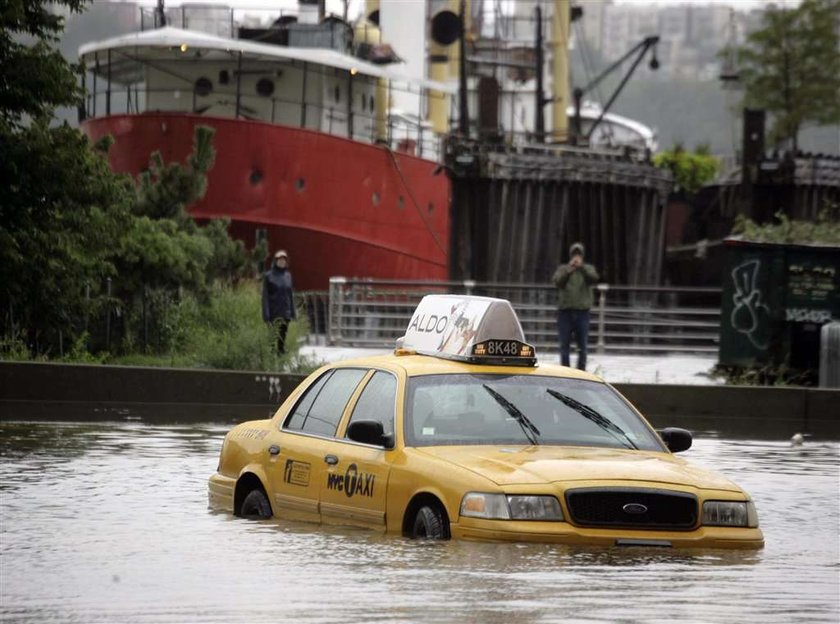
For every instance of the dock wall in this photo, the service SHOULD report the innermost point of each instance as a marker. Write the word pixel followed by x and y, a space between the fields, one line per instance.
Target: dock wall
pixel 90 392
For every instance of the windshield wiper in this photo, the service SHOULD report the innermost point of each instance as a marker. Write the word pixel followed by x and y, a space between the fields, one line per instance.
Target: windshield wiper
pixel 528 428
pixel 602 421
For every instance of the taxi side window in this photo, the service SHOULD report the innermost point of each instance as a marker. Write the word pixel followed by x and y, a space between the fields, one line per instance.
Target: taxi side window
pixel 377 401
pixel 322 405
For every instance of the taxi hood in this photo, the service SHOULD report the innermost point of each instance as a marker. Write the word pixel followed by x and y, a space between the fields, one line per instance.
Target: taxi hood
pixel 511 465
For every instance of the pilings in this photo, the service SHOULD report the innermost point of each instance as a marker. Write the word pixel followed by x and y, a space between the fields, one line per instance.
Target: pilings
pixel 515 214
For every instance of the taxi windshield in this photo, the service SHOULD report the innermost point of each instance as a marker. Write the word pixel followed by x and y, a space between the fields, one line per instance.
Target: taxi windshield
pixel 444 410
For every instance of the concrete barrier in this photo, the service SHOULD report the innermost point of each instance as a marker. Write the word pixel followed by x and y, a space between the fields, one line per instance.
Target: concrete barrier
pixel 745 410
pixel 85 392
pixel 91 392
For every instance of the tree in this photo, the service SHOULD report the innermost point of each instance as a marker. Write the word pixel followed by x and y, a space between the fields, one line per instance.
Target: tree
pixel 691 170
pixel 791 66
pixel 68 223
pixel 36 77
pixel 60 205
pixel 62 211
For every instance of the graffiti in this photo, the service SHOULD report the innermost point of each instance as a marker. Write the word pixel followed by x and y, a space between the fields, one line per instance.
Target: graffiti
pixel 804 315
pixel 275 389
pixel 750 314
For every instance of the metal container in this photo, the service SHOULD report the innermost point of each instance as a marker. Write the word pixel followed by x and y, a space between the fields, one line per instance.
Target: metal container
pixel 830 355
pixel 776 297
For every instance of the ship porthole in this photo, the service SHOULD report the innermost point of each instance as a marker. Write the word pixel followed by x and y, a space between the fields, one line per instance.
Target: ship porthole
pixel 299 185
pixel 203 86
pixel 256 176
pixel 376 199
pixel 431 207
pixel 265 87
pixel 401 202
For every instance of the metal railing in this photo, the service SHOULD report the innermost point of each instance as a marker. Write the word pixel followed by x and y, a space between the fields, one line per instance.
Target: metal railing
pixel 401 134
pixel 641 319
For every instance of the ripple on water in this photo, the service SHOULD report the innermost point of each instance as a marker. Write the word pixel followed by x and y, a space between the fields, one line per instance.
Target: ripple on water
pixel 109 522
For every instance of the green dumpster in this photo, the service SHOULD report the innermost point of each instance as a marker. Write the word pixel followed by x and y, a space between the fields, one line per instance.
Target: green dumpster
pixel 775 299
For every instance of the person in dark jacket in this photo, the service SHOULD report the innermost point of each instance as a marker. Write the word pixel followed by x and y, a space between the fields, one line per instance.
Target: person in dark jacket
pixel 278 298
pixel 574 299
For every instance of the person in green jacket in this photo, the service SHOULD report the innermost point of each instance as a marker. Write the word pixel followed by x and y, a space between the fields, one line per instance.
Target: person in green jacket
pixel 574 299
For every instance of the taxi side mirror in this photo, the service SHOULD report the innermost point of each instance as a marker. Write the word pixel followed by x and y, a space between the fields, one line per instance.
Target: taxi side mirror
pixel 676 439
pixel 369 432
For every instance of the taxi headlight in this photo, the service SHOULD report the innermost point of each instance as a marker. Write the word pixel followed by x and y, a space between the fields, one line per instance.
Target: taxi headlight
pixel 510 507
pixel 730 513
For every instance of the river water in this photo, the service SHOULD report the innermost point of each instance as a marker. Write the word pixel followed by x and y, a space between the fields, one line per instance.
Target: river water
pixel 109 523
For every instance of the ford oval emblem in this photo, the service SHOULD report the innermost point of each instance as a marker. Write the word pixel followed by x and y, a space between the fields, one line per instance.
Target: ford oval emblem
pixel 635 508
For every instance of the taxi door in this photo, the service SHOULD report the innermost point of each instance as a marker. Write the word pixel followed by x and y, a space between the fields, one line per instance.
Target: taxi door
pixel 354 490
pixel 297 452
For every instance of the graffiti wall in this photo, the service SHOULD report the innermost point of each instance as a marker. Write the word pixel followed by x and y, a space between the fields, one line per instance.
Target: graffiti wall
pixel 775 299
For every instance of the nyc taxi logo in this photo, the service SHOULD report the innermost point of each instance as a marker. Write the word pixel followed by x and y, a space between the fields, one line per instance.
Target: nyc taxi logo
pixel 352 482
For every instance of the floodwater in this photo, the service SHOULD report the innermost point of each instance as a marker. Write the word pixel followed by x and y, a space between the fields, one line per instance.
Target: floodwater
pixel 109 523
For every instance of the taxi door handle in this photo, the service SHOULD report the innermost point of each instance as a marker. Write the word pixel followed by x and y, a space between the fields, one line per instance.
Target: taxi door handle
pixel 332 460
pixel 274 450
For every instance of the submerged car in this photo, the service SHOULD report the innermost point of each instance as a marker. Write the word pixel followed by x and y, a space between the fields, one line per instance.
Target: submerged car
pixel 460 434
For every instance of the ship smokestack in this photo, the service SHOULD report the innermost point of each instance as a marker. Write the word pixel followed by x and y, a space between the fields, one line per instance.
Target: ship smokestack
pixel 445 29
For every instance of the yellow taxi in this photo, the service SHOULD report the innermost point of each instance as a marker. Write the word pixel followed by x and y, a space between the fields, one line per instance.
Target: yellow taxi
pixel 461 434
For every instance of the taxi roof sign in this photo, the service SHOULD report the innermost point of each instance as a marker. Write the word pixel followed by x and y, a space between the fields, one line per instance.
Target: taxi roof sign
pixel 473 329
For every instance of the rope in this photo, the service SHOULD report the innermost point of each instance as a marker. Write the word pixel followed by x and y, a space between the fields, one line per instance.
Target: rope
pixel 414 201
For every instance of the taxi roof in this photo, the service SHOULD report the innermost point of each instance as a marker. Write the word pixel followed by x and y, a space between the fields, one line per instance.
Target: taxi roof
pixel 416 365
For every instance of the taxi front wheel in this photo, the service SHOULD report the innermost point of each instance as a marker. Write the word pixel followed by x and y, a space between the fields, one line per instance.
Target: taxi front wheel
pixel 255 506
pixel 429 523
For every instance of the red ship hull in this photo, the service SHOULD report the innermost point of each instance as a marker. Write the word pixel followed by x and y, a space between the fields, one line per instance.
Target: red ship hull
pixel 339 207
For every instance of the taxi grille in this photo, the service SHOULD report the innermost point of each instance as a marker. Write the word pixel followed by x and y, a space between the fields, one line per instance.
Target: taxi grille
pixel 632 508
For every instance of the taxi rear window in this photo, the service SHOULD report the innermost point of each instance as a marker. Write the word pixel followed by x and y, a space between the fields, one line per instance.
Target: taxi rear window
pixel 461 409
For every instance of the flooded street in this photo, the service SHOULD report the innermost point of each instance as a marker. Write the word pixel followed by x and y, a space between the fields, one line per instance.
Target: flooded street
pixel 109 523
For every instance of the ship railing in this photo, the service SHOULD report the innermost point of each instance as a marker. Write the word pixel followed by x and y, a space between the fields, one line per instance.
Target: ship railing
pixel 360 125
pixel 637 319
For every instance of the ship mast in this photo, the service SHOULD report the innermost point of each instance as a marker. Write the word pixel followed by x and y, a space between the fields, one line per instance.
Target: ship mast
pixel 560 44
pixel 160 15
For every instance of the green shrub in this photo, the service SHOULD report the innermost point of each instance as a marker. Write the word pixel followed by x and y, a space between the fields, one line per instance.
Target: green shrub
pixel 826 228
pixel 13 347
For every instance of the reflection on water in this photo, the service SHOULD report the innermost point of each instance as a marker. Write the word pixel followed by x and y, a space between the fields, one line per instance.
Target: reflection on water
pixel 109 523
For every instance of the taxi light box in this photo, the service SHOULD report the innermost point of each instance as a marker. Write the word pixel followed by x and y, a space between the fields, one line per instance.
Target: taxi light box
pixel 463 326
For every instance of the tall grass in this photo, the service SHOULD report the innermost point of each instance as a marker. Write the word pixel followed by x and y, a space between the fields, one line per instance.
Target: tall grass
pixel 225 331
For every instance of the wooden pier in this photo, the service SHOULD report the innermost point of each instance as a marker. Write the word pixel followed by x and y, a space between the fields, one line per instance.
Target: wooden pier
pixel 515 212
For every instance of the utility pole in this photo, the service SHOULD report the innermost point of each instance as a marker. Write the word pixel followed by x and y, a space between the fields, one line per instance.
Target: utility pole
pixel 463 113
